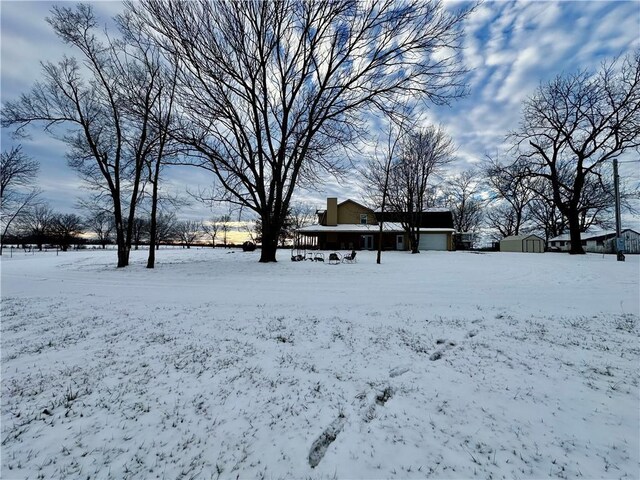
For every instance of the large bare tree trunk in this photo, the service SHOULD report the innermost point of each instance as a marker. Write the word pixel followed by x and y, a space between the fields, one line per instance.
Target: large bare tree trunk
pixel 123 248
pixel 574 233
pixel 270 235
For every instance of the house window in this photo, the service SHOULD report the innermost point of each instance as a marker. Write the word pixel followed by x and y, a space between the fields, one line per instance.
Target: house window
pixel 363 219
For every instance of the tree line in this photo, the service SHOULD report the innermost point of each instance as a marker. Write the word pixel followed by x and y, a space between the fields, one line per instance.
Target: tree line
pixel 38 226
pixel 28 219
pixel 271 97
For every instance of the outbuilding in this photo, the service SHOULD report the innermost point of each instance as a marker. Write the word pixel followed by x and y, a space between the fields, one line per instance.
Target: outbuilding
pixel 522 243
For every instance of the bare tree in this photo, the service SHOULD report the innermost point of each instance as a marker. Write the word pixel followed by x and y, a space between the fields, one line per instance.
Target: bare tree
pixel 251 229
pixel 17 193
pixel 100 223
pixel 188 231
pixel 424 153
pixel 462 196
pixel 139 231
pixel 511 190
pixel 596 204
pixel 65 229
pixel 377 171
pixel 104 103
pixel 165 228
pixel 300 215
pixel 501 219
pixel 224 222
pixel 151 82
pixel 37 225
pixel 574 125
pixel 272 92
pixel 211 229
pixel 546 217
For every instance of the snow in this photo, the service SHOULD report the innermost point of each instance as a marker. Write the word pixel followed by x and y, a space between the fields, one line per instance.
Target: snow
pixel 443 365
pixel 365 228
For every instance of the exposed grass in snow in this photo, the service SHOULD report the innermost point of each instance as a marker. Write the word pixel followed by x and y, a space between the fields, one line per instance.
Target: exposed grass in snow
pixel 444 365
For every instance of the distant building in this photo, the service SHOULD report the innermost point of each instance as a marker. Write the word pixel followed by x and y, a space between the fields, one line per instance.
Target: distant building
pixel 351 226
pixel 598 241
pixel 522 243
pixel 464 240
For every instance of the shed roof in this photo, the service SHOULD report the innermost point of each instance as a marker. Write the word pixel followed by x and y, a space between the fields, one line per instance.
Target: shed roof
pixel 522 237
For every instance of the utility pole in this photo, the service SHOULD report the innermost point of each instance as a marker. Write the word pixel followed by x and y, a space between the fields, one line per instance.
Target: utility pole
pixel 619 240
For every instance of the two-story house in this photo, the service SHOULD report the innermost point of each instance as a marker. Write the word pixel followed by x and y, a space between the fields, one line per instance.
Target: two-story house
pixel 351 226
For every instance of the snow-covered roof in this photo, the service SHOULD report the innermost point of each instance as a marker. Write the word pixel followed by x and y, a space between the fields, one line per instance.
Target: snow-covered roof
pixel 588 235
pixel 522 237
pixel 426 210
pixel 361 228
pixel 351 227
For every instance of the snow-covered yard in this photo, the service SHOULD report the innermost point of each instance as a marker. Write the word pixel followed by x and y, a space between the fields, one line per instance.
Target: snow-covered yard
pixel 445 365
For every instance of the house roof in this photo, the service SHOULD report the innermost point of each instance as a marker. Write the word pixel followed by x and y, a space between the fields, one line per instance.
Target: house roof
pixel 389 227
pixel 431 218
pixel 592 235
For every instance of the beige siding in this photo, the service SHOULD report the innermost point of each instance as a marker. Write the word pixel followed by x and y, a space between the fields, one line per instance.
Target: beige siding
pixel 349 213
pixel 510 245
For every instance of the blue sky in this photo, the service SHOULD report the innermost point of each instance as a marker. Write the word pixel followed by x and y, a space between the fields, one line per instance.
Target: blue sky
pixel 510 48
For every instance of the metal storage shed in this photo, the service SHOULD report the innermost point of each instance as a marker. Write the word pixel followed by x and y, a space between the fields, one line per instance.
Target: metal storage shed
pixel 522 243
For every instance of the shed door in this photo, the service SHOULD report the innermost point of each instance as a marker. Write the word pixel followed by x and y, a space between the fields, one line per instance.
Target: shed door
pixel 433 241
pixel 533 246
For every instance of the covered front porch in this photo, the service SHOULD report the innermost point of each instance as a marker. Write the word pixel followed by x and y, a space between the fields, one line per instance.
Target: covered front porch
pixel 352 237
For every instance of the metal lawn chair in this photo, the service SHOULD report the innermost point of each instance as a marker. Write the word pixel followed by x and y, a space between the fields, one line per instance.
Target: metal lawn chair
pixel 335 258
pixel 350 258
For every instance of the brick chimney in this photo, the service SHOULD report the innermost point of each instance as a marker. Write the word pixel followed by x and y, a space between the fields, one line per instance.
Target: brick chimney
pixel 332 211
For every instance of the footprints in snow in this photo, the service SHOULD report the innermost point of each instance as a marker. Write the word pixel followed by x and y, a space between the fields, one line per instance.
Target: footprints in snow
pixel 328 436
pixel 319 447
pixel 446 345
pixel 397 371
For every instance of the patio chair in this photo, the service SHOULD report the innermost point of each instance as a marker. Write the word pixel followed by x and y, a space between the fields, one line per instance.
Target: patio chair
pixel 350 258
pixel 319 257
pixel 335 258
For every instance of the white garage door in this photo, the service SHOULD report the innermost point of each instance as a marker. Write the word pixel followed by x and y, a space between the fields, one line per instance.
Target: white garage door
pixel 433 241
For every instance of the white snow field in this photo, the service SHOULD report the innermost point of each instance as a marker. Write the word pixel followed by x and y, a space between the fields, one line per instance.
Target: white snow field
pixel 441 365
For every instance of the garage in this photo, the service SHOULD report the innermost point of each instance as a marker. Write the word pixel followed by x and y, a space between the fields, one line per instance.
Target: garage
pixel 433 241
